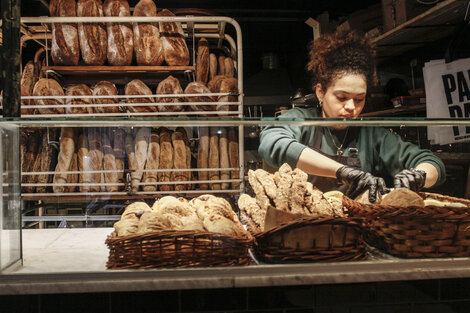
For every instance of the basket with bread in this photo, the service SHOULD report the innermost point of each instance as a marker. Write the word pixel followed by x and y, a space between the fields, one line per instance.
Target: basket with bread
pixel 415 225
pixel 293 221
pixel 175 232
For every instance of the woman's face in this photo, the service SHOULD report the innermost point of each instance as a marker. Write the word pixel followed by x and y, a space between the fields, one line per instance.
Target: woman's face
pixel 344 98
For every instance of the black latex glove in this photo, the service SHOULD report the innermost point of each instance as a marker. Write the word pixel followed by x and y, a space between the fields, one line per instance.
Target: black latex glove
pixel 413 179
pixel 360 181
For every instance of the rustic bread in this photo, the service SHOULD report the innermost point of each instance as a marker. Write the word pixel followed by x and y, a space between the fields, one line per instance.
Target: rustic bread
pixel 65 49
pixel 212 66
pixel 403 197
pixel 233 155
pixel 199 87
pixel 214 158
pixel 30 155
pixel 48 87
pixel 126 227
pixel 166 158
pixel 153 161
pixel 72 178
pixel 92 36
pixel 78 90
pixel 179 158
pixel 221 65
pixel 202 62
pixel 120 35
pixel 170 86
pixel 252 209
pixel 105 88
pixel 135 210
pixel 140 150
pixel 261 197
pixel 96 155
pixel 229 69
pixel 109 163
pixel 84 163
pixel 188 155
pixel 222 225
pixel 147 43
pixel 119 148
pixel 203 156
pixel 138 87
pixel 175 50
pixel 229 85
pixel 45 158
pixel 67 148
pixel 153 221
pixel 27 83
pixel 224 158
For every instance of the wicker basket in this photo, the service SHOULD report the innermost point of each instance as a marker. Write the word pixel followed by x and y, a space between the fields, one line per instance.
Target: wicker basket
pixel 411 232
pixel 311 239
pixel 177 249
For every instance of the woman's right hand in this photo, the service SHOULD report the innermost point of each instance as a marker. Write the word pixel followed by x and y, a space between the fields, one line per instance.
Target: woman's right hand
pixel 360 181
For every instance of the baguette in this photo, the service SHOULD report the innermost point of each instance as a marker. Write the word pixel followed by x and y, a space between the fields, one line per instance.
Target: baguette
pixel 130 150
pixel 203 156
pixel 120 35
pixel 202 63
pixel 166 158
pixel 214 159
pixel 27 84
pixel 141 149
pixel 30 156
pixel 67 148
pixel 119 146
pixel 233 155
pixel 65 49
pixel 92 36
pixel 188 155
pixel 109 163
pixel 224 158
pixel 212 66
pixel 153 161
pixel 96 155
pixel 221 65
pixel 84 163
pixel 229 69
pixel 179 159
pixel 73 178
pixel 46 156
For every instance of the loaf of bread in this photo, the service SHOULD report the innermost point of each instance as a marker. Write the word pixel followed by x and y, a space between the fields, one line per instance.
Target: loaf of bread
pixel 170 86
pixel 403 197
pixel 45 160
pixel 138 87
pixel 153 221
pixel 214 158
pixel 84 163
pixel 96 156
pixel 72 178
pixel 221 65
pixel 141 148
pixel 131 159
pixel 92 36
pixel 214 83
pixel 78 90
pixel 48 87
pixel 105 88
pixel 119 147
pixel 120 35
pixel 153 161
pixel 252 209
pixel 67 148
pixel 188 155
pixel 196 88
pixel 202 63
pixel 229 69
pixel 30 156
pixel 181 214
pixel 179 159
pixel 224 158
pixel 65 49
pixel 166 158
pixel 148 45
pixel 175 50
pixel 109 163
pixel 27 83
pixel 203 156
pixel 212 66
pixel 229 85
pixel 233 156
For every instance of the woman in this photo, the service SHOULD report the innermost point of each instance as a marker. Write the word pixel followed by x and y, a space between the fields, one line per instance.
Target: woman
pixel 342 66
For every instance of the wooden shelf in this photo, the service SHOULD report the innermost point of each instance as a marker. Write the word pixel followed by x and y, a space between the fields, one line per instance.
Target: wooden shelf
pixel 97 70
pixel 436 23
pixel 404 109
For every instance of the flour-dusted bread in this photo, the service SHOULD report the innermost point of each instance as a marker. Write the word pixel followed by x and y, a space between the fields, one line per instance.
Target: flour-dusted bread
pixel 130 218
pixel 403 197
pixel 215 82
pixel 170 86
pixel 65 48
pixel 27 82
pixel 77 90
pixel 141 143
pixel 261 197
pixel 84 164
pixel 224 158
pixel 67 148
pixel 203 60
pixel 199 88
pixel 138 87
pixel 96 155
pixel 175 50
pixel 153 162
pixel 72 178
pixel 212 66
pixel 105 88
pixel 49 87
pixel 135 210
pixel 92 36
pixel 120 35
pixel 214 158
pixel 166 158
pixel 252 209
pixel 153 221
pixel 233 155
pixel 229 85
pixel 179 159
pixel 203 156
pixel 109 163
pixel 147 42
pixel 119 148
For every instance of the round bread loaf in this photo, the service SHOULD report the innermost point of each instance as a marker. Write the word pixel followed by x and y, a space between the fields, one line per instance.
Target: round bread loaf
pixel 403 197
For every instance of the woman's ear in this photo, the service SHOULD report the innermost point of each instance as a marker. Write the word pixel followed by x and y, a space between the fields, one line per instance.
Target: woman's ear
pixel 319 92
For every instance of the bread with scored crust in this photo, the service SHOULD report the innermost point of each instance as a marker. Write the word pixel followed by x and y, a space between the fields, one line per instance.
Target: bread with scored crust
pixel 120 35
pixel 92 36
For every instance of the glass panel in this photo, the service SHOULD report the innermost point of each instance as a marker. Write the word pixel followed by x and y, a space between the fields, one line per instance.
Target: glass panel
pixel 10 237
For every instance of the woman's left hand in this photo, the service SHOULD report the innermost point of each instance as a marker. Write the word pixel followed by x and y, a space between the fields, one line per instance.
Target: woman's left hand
pixel 413 179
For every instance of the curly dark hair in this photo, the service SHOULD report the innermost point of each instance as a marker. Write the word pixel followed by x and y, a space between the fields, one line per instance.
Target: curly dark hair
pixel 333 55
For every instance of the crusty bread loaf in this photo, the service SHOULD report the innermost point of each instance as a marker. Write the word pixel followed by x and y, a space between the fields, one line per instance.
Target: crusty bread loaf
pixel 130 151
pixel 224 158
pixel 138 87
pixel 214 159
pixel 65 49
pixel 169 86
pixel 214 83
pixel 78 90
pixel 109 163
pixel 72 178
pixel 199 87
pixel 120 35
pixel 203 156
pixel 148 45
pixel 119 148
pixel 27 83
pixel 175 50
pixel 135 210
pixel 403 197
pixel 228 85
pixel 233 156
pixel 45 159
pixel 153 161
pixel 202 63
pixel 105 88
pixel 188 155
pixel 179 158
pixel 221 65
pixel 92 36
pixel 153 221
pixel 252 209
pixel 141 144
pixel 166 158
pixel 30 156
pixel 229 69
pixel 84 163
pixel 48 87
pixel 96 155
pixel 212 66
pixel 67 148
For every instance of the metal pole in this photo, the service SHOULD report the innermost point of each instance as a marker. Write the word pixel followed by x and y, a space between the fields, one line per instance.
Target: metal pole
pixel 11 58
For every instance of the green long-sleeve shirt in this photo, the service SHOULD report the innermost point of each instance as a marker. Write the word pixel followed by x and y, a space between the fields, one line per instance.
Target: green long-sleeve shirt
pixel 381 152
